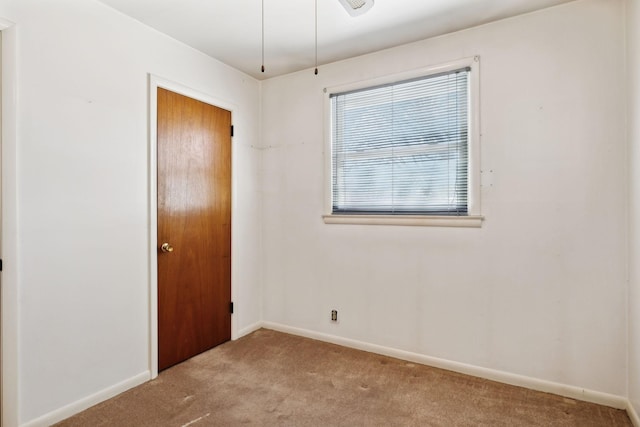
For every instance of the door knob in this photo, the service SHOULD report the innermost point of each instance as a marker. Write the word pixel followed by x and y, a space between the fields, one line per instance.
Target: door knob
pixel 166 247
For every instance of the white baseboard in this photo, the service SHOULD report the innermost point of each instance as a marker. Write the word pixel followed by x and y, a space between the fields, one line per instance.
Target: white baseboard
pixel 573 392
pixel 82 404
pixel 633 415
pixel 249 329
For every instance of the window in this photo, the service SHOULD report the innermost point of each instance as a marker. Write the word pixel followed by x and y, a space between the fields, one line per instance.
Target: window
pixel 403 148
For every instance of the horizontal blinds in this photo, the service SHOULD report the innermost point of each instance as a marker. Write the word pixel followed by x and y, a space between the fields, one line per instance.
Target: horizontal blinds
pixel 402 148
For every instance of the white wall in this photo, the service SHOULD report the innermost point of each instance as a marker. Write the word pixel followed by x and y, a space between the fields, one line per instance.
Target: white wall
pixel 82 181
pixel 540 289
pixel 633 115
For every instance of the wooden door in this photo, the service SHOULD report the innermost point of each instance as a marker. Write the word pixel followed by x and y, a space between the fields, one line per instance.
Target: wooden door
pixel 194 220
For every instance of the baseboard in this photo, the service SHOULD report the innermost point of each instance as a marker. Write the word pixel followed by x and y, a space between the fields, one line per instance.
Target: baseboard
pixel 249 329
pixel 82 404
pixel 633 415
pixel 573 392
pixel 490 374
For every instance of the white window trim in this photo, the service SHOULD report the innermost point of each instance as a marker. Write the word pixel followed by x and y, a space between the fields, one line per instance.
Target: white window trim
pixel 474 217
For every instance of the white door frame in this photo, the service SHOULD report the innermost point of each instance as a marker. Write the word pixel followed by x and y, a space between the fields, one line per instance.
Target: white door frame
pixel 9 227
pixel 154 83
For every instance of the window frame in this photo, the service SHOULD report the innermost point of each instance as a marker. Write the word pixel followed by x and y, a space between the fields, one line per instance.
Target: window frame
pixel 473 218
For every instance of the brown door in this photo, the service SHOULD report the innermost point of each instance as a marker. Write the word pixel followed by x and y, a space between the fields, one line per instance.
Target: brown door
pixel 194 225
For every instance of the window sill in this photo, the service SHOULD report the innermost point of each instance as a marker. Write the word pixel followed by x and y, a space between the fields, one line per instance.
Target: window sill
pixel 469 221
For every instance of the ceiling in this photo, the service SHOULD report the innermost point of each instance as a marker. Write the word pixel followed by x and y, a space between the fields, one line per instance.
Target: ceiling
pixel 231 30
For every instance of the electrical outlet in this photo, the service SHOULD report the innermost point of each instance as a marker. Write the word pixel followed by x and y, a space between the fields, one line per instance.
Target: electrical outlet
pixel 334 315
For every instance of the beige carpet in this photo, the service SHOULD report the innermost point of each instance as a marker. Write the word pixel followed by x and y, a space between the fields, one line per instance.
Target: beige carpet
pixel 273 379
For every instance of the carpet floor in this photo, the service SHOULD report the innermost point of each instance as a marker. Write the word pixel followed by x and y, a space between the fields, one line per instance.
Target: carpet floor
pixel 273 379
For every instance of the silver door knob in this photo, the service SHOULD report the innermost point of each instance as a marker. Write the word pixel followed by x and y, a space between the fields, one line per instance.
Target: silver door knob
pixel 166 247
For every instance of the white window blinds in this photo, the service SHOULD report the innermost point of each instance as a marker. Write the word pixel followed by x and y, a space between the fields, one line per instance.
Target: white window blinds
pixel 402 148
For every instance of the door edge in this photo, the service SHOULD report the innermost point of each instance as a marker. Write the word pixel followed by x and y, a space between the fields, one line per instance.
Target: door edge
pixel 9 310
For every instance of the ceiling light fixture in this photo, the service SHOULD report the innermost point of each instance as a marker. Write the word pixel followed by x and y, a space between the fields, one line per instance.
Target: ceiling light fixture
pixel 356 7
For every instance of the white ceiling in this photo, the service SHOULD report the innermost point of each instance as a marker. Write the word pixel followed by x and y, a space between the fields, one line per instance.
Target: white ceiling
pixel 230 30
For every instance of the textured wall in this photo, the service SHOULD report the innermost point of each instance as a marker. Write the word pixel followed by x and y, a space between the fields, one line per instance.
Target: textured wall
pixel 540 289
pixel 81 173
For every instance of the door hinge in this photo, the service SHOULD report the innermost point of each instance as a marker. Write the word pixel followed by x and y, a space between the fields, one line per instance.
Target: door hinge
pixel 0 265
pixel 231 307
pixel 232 130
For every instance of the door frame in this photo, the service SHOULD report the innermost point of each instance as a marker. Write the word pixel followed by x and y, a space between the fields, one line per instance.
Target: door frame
pixel 154 83
pixel 9 226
